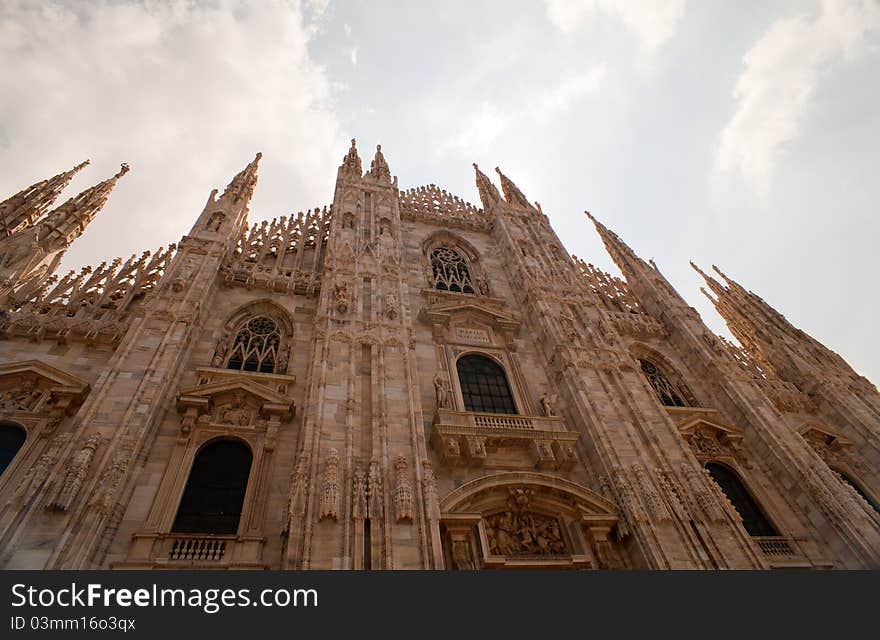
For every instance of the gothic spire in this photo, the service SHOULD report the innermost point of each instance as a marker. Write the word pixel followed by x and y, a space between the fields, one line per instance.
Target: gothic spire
pixel 488 192
pixel 620 252
pixel 512 193
pixel 73 216
pixel 378 167
pixel 28 205
pixel 242 185
pixel 351 163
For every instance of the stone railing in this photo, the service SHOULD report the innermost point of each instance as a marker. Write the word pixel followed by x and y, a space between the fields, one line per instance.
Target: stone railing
pixel 181 550
pixel 775 546
pixel 501 421
pixel 472 439
pixel 782 552
pixel 199 547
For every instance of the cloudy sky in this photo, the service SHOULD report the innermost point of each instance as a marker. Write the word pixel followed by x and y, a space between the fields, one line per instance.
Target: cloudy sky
pixel 741 134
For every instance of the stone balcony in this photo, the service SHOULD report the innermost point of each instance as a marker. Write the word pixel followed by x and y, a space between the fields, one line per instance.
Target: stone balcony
pixel 781 552
pixel 193 551
pixel 465 438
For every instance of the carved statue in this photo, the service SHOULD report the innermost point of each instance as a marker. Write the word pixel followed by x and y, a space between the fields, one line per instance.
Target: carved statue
pixel 341 295
pixel 220 352
pixel 548 400
pixel 441 391
pixel 391 305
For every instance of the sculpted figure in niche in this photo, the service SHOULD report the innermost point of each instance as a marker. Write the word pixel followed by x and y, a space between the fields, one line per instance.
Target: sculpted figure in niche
pixel 548 400
pixel 391 306
pixel 441 391
pixel 341 295
pixel 220 352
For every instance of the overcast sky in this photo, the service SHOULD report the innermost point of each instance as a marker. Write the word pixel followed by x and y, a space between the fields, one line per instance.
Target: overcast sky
pixel 740 134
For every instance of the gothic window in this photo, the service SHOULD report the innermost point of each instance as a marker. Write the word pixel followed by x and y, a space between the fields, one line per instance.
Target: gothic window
pixel 255 347
pixel 753 519
pixel 450 271
pixel 214 493
pixel 484 385
pixel 858 490
pixel 669 394
pixel 12 438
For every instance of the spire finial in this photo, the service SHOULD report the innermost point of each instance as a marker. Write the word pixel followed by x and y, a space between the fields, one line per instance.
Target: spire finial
pixel 511 192
pixel 379 167
pixel 351 162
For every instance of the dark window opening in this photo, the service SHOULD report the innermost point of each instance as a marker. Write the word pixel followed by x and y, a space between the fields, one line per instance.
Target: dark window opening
pixel 484 386
pixel 12 439
pixel 859 491
pixel 753 519
pixel 214 493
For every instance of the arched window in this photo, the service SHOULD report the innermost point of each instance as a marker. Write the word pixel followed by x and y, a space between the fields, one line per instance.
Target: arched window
pixel 669 394
pixel 215 489
pixel 858 490
pixel 12 438
pixel 450 271
pixel 753 518
pixel 484 386
pixel 255 347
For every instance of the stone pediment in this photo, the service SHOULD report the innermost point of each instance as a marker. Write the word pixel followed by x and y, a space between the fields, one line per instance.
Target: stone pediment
pixel 444 313
pixel 239 384
pixel 243 389
pixel 817 432
pixel 29 385
pixel 709 437
pixel 37 369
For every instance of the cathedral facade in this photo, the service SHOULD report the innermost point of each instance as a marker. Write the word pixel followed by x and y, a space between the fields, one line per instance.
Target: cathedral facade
pixel 403 380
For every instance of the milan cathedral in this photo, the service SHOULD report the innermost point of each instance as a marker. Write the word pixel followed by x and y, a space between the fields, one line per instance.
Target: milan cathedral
pixel 404 380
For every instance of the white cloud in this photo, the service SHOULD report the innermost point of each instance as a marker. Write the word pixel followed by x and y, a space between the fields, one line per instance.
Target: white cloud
pixel 782 72
pixel 185 92
pixel 477 129
pixel 651 22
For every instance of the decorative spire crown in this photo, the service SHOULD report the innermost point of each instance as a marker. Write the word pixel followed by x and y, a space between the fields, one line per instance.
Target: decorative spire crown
pixel 512 193
pixel 378 167
pixel 351 163
pixel 28 205
pixel 488 192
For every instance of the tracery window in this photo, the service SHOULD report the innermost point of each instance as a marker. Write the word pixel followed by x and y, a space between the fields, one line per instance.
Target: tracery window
pixel 450 271
pixel 255 347
pixel 12 438
pixel 214 494
pixel 484 386
pixel 753 518
pixel 670 395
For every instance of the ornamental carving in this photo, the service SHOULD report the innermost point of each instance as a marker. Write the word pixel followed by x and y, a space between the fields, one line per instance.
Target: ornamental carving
pixel 25 398
pixel 524 534
pixel 403 493
pixel 75 475
pixel 520 531
pixel 374 491
pixel 330 487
